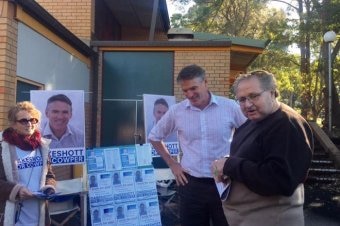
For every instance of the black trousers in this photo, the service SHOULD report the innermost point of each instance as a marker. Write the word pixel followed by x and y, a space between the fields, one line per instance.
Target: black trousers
pixel 200 203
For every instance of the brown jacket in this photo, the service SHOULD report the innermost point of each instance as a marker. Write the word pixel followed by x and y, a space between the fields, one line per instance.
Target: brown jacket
pixel 9 187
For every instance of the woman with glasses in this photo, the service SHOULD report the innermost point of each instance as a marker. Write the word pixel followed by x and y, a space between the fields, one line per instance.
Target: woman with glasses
pixel 25 169
pixel 269 158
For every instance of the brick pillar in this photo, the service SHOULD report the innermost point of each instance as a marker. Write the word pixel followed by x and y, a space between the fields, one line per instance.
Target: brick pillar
pixel 216 65
pixel 8 59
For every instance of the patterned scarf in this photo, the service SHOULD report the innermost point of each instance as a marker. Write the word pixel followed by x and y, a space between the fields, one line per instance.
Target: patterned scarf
pixel 24 142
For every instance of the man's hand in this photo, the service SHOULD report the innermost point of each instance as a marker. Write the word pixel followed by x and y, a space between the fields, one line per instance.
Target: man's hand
pixel 178 172
pixel 217 170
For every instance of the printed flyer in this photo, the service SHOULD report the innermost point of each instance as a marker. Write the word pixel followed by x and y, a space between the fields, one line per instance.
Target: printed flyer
pixel 122 186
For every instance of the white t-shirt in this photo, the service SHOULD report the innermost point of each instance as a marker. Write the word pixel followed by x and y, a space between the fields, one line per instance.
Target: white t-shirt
pixel 29 169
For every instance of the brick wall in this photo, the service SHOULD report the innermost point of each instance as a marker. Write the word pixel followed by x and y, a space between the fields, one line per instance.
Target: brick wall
pixel 216 65
pixel 8 59
pixel 75 15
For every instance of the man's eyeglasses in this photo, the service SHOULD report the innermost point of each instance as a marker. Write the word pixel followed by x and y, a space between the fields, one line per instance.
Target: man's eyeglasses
pixel 25 121
pixel 251 98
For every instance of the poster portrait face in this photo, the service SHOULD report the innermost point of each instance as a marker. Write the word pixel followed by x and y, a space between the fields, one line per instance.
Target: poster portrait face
pixel 116 178
pixel 59 114
pixel 120 212
pixel 93 181
pixel 155 107
pixel 142 209
pixel 160 108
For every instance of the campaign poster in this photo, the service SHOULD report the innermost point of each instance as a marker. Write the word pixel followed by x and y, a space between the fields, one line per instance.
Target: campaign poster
pixel 145 183
pixel 149 212
pixel 100 188
pixel 123 186
pixel 155 106
pixel 63 122
pixel 127 214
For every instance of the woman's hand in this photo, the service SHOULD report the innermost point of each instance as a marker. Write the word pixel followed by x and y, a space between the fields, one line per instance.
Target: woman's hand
pixel 24 194
pixel 49 191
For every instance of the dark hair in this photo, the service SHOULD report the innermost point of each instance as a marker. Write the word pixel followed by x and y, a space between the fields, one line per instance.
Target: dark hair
pixel 23 106
pixel 161 101
pixel 59 97
pixel 267 80
pixel 190 72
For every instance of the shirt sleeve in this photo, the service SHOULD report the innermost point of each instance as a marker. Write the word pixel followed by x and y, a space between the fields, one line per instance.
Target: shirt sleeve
pixel 164 127
pixel 239 116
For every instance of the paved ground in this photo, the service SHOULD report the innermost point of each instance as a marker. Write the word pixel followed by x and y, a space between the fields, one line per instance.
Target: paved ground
pixel 322 205
pixel 313 218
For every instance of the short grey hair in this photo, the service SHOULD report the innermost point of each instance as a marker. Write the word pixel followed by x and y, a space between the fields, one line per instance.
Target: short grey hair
pixel 267 80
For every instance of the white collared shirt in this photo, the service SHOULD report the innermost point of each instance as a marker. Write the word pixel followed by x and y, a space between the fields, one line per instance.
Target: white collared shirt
pixel 204 135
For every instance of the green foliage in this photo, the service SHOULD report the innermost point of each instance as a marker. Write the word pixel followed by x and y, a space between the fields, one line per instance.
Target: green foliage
pixel 301 78
pixel 286 69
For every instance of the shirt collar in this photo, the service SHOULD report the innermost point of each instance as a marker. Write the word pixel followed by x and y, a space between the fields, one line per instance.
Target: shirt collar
pixel 48 132
pixel 213 100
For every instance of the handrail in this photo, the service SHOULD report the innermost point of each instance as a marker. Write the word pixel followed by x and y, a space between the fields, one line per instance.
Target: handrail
pixel 326 143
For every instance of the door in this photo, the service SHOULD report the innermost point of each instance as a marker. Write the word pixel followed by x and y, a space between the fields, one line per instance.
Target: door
pixel 126 77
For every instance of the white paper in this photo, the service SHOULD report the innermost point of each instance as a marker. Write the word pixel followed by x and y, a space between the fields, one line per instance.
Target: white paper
pixel 223 189
pixel 143 153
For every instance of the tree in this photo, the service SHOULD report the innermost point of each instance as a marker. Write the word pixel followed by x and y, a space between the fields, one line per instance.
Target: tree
pixel 314 17
pixel 252 19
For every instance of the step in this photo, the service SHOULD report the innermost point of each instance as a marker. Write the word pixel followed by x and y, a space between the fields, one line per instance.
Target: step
pixel 316 163
pixel 321 179
pixel 325 170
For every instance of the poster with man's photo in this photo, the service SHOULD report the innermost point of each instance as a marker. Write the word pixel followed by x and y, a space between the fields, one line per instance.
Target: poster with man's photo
pixel 63 122
pixel 155 106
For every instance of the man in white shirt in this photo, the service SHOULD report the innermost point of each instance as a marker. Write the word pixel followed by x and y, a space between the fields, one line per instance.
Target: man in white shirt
pixel 205 124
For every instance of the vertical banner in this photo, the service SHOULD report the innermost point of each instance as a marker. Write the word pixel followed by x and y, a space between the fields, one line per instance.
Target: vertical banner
pixel 63 122
pixel 155 106
pixel 122 186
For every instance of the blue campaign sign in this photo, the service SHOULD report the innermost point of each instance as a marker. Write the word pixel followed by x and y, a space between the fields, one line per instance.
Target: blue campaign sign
pixel 67 156
pixel 173 148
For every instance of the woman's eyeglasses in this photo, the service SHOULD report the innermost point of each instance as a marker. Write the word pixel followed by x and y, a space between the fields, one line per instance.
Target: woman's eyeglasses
pixel 25 121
